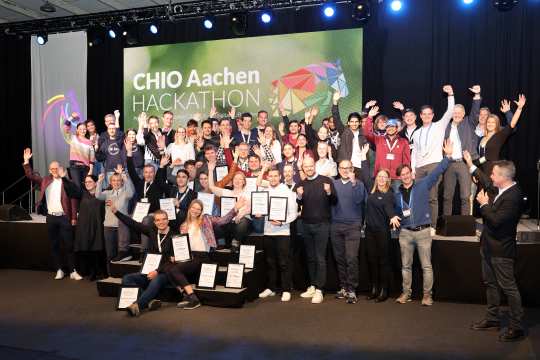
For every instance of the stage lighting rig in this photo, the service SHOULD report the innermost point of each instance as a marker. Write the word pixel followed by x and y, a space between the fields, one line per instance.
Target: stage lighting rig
pixel 239 23
pixel 504 5
pixel 47 7
pixel 42 38
pixel 361 10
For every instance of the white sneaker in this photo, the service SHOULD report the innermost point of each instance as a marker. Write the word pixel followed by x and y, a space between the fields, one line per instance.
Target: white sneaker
pixel 75 276
pixel 309 292
pixel 433 232
pixel 318 297
pixel 286 296
pixel 59 275
pixel 266 293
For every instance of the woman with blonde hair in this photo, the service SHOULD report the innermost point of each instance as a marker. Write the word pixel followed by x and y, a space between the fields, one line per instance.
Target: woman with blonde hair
pixel 380 216
pixel 180 151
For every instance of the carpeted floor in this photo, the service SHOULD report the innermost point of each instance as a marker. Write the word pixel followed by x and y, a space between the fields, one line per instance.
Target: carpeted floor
pixel 45 319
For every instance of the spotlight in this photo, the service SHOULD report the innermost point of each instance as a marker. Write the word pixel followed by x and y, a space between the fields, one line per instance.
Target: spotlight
pixel 47 7
pixel 112 33
pixel 239 23
pixel 504 5
pixel 208 22
pixel 329 10
pixel 154 29
pixel 94 36
pixel 361 10
pixel 396 5
pixel 42 38
pixel 468 2
pixel 266 17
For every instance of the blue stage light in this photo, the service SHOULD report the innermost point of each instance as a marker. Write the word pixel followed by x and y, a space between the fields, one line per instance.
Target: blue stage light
pixel 266 17
pixel 42 39
pixel 112 33
pixel 208 24
pixel 329 11
pixel 396 5
pixel 153 29
pixel 468 2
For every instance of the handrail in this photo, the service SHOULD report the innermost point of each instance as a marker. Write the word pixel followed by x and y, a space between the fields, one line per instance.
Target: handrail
pixel 13 184
pixel 23 195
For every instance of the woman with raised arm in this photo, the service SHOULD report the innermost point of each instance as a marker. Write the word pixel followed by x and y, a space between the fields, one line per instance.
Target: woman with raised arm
pixel 180 150
pixel 494 139
pixel 270 145
pixel 325 165
pixel 137 151
pixel 81 153
pixel 241 226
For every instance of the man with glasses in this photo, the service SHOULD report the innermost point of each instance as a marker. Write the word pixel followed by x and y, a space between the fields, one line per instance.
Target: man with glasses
pixel 347 217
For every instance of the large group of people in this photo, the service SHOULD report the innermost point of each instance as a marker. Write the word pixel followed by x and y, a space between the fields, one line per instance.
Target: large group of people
pixel 370 173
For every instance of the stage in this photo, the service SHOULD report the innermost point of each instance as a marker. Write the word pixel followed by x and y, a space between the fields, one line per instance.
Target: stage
pixel 456 263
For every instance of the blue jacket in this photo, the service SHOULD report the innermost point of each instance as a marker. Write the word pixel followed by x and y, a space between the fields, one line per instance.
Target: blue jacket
pixel 419 201
pixel 350 202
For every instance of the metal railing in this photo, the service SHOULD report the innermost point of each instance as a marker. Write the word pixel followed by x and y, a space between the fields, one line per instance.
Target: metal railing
pixel 29 193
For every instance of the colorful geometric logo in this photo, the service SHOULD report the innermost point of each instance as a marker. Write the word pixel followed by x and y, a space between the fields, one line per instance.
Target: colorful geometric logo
pixel 59 109
pixel 310 85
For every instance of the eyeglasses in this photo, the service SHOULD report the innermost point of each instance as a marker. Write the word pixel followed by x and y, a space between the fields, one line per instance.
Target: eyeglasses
pixel 345 168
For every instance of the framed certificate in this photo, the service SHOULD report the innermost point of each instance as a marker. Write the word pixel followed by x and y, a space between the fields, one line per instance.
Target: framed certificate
pixel 247 256
pixel 127 295
pixel 207 277
pixel 235 276
pixel 259 203
pixel 227 204
pixel 150 263
pixel 278 208
pixel 221 172
pixel 251 184
pixel 167 205
pixel 208 202
pixel 141 210
pixel 181 248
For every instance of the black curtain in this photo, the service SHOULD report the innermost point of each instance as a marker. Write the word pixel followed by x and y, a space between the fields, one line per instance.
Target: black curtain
pixel 409 57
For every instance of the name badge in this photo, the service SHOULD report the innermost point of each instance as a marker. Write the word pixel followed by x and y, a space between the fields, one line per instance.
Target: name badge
pixel 390 156
pixel 483 160
pixel 407 213
pixel 144 200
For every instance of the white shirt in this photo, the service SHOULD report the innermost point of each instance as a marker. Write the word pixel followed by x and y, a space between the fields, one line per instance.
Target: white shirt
pixel 197 241
pixel 356 157
pixel 501 191
pixel 181 151
pixel 454 137
pixel 428 140
pixel 276 151
pixel 53 194
pixel 292 211
pixel 326 167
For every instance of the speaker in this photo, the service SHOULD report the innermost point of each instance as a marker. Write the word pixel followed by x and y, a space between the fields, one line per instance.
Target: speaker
pixel 456 225
pixel 13 213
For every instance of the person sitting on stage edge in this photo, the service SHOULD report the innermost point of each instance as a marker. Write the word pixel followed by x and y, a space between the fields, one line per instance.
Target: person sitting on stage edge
pixel 61 213
pixel 412 207
pixel 501 208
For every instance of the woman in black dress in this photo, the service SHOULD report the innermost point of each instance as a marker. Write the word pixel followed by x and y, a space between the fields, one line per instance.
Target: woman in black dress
pixel 379 217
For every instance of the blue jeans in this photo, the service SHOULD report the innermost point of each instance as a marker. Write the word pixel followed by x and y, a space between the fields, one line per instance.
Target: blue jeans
pixel 151 287
pixel 258 225
pixel 421 240
pixel 316 243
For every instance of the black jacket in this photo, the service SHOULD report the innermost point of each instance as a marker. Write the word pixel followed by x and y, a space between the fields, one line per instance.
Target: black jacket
pixel 154 192
pixel 346 147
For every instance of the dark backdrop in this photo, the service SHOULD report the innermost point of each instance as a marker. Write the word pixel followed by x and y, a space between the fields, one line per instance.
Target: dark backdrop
pixel 409 57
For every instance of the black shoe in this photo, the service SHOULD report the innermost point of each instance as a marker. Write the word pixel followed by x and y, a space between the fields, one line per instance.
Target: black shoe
pixel 485 325
pixel 154 305
pixel 192 302
pixel 382 296
pixel 122 256
pixel 512 335
pixel 351 298
pixel 374 293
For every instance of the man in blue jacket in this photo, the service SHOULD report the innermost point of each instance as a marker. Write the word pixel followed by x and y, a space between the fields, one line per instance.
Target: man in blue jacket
pixel 412 207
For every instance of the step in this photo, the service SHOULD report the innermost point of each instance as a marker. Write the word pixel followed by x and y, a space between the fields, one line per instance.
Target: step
pixel 255 239
pixel 222 257
pixel 219 297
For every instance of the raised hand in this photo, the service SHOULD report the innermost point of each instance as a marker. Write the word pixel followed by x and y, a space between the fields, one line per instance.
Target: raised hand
pixel 314 112
pixel 257 150
pixel 199 142
pixel 143 120
pixel 164 160
pixel 119 169
pixel 261 139
pixel 61 171
pixel 482 198
pixel 327 188
pixel 448 147
pixel 225 141
pixel 307 117
pixel 448 89
pixel 282 110
pixel 232 112
pixel 117 114
pixel 128 146
pixel 336 97
pixel 161 142
pixel 398 105
pixel 235 155
pixel 505 106
pixel 213 112
pixel 521 101
pixel 281 128
pixel 373 111
pixel 211 166
pixel 370 104
pixel 240 202
pixel 364 149
pixel 467 157
pixel 101 177
pixel 27 155
pixel 475 89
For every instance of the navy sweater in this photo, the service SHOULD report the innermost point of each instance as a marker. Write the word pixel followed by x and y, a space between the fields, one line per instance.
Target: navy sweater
pixel 350 202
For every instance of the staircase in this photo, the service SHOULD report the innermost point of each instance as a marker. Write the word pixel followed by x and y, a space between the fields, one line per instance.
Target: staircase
pixel 254 279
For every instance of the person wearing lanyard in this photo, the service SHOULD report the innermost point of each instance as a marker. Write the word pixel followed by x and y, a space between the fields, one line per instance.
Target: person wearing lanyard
pixel 461 132
pixel 245 134
pixel 409 118
pixel 412 209
pixel 392 150
pixel 426 152
pixel 182 195
pixel 160 235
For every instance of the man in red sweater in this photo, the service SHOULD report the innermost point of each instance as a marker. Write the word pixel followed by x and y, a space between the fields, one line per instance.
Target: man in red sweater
pixel 391 149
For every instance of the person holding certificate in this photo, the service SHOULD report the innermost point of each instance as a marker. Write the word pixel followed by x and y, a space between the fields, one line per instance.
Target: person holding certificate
pixel 316 194
pixel 202 240
pixel 181 194
pixel 283 210
pixel 347 216
pixel 160 235
pixel 241 226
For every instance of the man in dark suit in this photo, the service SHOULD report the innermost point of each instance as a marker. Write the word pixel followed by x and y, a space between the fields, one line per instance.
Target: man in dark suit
pixel 501 207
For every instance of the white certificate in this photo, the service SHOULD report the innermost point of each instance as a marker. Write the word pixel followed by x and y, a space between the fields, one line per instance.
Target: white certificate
pixel 259 203
pixel 151 263
pixel 251 184
pixel 127 296
pixel 167 205
pixel 227 204
pixel 235 274
pixel 278 209
pixel 141 210
pixel 247 256
pixel 182 251
pixel 207 277
pixel 208 202
pixel 221 172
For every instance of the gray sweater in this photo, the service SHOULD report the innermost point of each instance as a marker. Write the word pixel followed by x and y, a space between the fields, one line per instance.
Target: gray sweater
pixel 120 198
